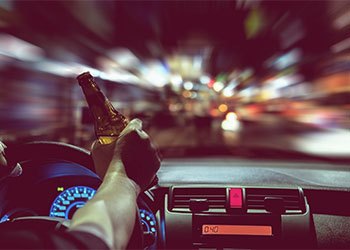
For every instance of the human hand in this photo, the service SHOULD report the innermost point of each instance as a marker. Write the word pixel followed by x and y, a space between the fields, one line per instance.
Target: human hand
pixel 6 168
pixel 131 155
pixel 3 161
pixel 4 171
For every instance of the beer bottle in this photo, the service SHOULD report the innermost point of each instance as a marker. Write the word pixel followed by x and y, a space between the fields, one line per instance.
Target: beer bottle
pixel 108 122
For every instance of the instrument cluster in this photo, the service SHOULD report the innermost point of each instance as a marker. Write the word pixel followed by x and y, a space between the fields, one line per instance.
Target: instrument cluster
pixel 73 198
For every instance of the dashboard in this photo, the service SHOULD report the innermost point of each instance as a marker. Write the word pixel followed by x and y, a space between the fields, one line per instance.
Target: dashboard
pixel 205 203
pixel 56 189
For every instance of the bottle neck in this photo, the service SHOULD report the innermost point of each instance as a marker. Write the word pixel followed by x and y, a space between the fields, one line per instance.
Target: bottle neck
pixel 89 87
pixel 96 99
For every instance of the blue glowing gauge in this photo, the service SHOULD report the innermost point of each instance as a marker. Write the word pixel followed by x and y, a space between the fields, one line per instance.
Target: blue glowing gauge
pixel 70 200
pixel 148 221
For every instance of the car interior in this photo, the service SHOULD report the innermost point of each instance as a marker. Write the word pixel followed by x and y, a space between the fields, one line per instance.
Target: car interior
pixel 261 169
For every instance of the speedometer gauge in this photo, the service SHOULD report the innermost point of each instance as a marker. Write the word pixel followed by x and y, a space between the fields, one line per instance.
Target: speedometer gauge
pixel 148 221
pixel 70 200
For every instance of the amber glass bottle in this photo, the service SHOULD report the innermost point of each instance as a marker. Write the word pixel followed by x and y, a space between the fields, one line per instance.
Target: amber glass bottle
pixel 109 123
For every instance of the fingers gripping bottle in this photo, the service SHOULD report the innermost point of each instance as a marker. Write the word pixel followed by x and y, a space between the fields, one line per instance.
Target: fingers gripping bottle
pixel 108 122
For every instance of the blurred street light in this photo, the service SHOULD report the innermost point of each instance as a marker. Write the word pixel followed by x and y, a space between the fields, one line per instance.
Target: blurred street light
pixel 124 57
pixel 229 89
pixel 204 79
pixel 231 123
pixel 176 79
pixel 342 45
pixel 155 73
pixel 342 21
pixel 223 108
pixel 187 94
pixel 218 86
pixel 188 85
pixel 14 47
pixel 231 116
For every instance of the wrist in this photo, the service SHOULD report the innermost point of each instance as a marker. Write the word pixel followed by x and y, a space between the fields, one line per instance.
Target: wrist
pixel 122 180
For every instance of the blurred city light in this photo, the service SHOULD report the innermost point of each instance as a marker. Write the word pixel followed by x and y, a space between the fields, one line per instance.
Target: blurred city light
pixel 288 59
pixel 14 47
pixel 197 63
pixel 188 85
pixel 56 68
pixel 230 125
pixel 204 79
pixel 187 94
pixel 77 67
pixel 337 143
pixel 247 92
pixel 228 92
pixel 284 81
pixel 343 20
pixel 223 108
pixel 218 86
pixel 155 73
pixel 341 46
pixel 247 73
pixel 187 66
pixel 253 22
pixel 119 76
pixel 211 83
pixel 124 57
pixel 215 112
pixel 273 71
pixel 231 116
pixel 293 32
pixel 229 89
pixel 194 95
pixel 176 79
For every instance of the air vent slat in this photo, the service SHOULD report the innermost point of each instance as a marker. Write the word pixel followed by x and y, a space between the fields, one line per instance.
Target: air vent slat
pixel 211 202
pixel 199 196
pixel 273 195
pixel 296 202
pixel 255 198
pixel 256 206
pixel 216 197
pixel 252 201
pixel 262 201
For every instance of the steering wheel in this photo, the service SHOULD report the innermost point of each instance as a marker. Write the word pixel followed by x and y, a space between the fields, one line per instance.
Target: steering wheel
pixel 44 150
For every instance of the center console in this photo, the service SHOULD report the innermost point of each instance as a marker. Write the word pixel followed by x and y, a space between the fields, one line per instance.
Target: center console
pixel 235 217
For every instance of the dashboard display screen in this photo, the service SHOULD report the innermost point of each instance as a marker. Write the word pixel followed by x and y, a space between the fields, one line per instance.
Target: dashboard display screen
pixel 236 230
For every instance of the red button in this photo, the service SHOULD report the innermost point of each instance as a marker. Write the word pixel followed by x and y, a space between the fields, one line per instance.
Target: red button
pixel 236 198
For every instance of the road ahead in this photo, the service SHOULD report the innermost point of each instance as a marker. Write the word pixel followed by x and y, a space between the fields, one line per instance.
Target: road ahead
pixel 288 136
pixel 296 137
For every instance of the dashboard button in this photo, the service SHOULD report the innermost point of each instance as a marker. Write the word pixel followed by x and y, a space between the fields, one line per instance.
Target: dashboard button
pixel 236 198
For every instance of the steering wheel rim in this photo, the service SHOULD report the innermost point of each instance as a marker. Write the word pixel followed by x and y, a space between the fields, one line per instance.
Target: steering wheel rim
pixel 48 149
pixel 63 151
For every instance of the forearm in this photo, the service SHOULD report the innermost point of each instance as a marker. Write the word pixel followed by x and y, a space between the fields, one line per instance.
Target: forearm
pixel 111 212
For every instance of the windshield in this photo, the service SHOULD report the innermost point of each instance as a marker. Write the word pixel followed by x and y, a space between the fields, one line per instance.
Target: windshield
pixel 206 77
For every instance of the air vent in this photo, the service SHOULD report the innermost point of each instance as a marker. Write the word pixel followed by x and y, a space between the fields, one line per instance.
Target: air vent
pixel 180 199
pixel 291 198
